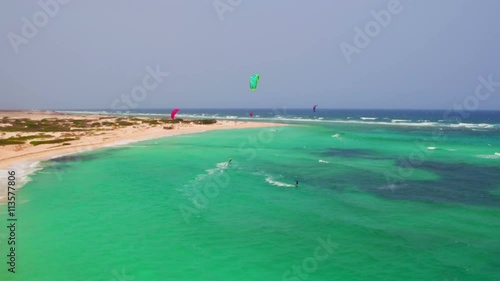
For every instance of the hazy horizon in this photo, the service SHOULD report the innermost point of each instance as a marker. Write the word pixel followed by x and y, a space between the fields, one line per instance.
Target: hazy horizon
pixel 235 108
pixel 405 55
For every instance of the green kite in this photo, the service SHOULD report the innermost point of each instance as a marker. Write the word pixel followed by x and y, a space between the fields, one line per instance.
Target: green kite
pixel 253 81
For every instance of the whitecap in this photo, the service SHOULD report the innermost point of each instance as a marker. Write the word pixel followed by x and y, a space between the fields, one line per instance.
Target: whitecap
pixel 22 170
pixel 278 183
pixel 496 155
pixel 193 187
pixel 392 186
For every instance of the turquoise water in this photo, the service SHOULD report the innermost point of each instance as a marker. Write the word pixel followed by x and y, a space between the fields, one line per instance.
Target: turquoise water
pixel 373 203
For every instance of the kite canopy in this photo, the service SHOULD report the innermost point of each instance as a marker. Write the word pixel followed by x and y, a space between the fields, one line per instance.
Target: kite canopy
pixel 314 107
pixel 251 113
pixel 253 81
pixel 174 112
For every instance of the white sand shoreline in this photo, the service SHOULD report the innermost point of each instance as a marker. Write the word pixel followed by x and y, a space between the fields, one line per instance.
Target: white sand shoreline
pixel 29 159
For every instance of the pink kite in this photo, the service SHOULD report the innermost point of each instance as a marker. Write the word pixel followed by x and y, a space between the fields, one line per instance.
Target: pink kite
pixel 174 112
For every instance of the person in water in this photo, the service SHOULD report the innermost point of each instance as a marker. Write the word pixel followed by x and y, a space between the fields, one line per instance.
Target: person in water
pixel 229 162
pixel 296 183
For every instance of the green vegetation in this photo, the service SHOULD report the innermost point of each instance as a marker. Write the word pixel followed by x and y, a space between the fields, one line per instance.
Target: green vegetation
pixel 151 122
pixel 169 121
pixel 52 125
pixel 125 123
pixel 9 142
pixel 26 125
pixel 47 125
pixel 78 123
pixel 30 137
pixel 205 121
pixel 21 140
pixel 52 141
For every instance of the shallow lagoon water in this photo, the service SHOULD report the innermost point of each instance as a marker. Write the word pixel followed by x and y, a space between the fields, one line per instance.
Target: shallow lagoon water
pixel 173 209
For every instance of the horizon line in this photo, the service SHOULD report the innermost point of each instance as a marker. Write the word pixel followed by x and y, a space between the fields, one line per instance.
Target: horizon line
pixel 236 108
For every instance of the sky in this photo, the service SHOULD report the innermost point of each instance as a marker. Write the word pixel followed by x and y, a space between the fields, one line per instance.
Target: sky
pixel 388 54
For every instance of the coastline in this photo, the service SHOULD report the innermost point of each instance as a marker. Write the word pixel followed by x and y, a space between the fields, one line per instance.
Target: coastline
pixel 25 159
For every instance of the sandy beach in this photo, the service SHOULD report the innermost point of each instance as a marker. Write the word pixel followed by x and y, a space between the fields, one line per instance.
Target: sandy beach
pixel 24 157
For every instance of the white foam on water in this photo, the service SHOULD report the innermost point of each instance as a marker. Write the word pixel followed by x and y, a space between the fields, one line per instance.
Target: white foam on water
pixel 336 136
pixel 270 180
pixel 392 186
pixel 368 118
pixel 23 171
pixel 323 161
pixel 222 166
pixel 472 125
pixel 431 148
pixel 194 187
pixel 495 155
pixel 399 122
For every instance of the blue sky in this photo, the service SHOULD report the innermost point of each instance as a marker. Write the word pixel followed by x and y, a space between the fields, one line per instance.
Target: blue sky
pixel 89 54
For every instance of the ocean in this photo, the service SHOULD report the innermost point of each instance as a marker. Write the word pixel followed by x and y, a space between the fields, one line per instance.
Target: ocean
pixel 381 195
